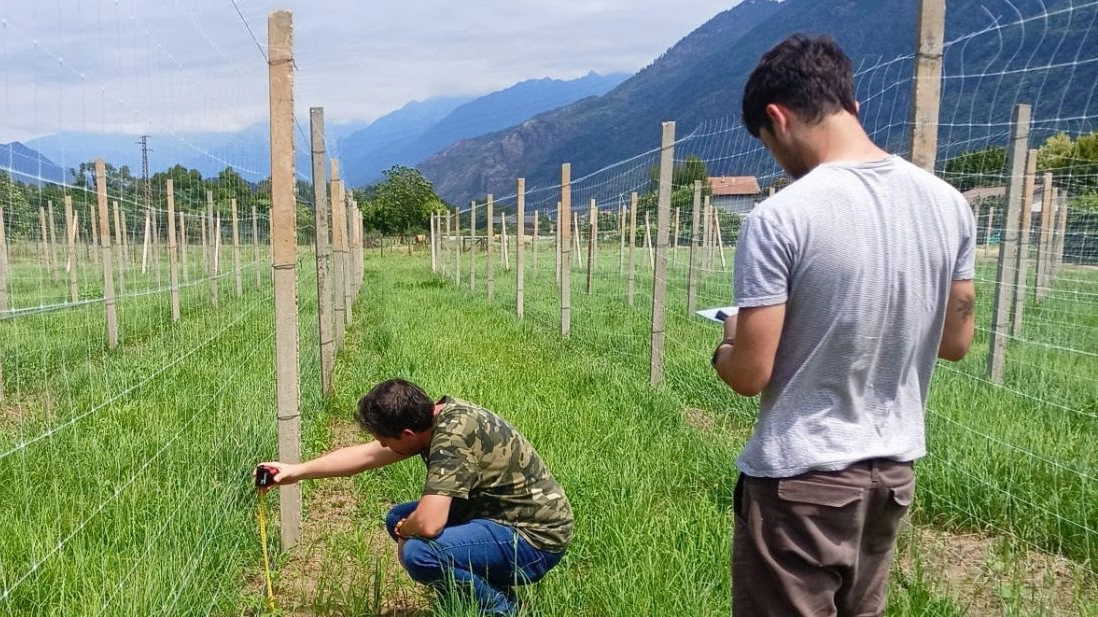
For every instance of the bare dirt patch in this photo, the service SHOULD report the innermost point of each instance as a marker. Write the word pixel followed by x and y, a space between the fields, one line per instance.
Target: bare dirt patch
pixel 994 576
pixel 699 419
pixel 342 567
pixel 17 410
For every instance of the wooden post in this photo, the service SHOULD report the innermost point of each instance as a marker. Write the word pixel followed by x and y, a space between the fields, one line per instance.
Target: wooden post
pixel 928 83
pixel 125 240
pixel 717 233
pixel 211 241
pixel 93 233
pixel 54 265
pixel 145 244
pixel 457 247
pixel 255 247
pixel 675 240
pixel 217 245
pixel 1021 280
pixel 103 236
pixel 576 227
pixel 632 246
pixel 119 249
pixel 590 245
pixel 323 249
pixel 695 251
pixel 490 266
pixel 71 222
pixel 520 266
pixel 648 240
pixel 659 277
pixel 534 239
pixel 990 225
pixel 4 266
pixel 564 220
pixel 472 245
pixel 556 236
pixel 183 241
pixel 1044 240
pixel 236 249
pixel 1061 233
pixel 434 247
pixel 284 243
pixel 707 236
pixel 621 239
pixel 593 221
pixel 43 239
pixel 173 273
pixel 339 260
pixel 446 243
pixel 503 241
pixel 1008 246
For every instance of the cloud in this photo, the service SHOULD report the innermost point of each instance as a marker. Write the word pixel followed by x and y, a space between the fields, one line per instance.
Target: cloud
pixel 191 65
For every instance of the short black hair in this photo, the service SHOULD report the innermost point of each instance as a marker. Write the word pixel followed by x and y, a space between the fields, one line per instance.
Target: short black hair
pixel 811 76
pixel 394 405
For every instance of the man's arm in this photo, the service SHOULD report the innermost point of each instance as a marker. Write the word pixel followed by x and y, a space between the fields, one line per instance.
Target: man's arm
pixel 342 462
pixel 428 519
pixel 747 364
pixel 960 321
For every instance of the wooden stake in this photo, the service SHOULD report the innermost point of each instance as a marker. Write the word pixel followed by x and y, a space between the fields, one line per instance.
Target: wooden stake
pixel 323 251
pixel 491 266
pixel 1021 279
pixel 71 220
pixel 632 245
pixel 173 270
pixel 659 276
pixel 565 243
pixel 520 224
pixel 284 243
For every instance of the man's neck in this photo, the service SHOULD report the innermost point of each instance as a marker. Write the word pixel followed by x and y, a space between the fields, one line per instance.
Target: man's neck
pixel 839 138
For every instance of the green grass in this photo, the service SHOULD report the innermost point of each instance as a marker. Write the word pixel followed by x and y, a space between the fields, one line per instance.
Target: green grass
pixel 125 475
pixel 138 502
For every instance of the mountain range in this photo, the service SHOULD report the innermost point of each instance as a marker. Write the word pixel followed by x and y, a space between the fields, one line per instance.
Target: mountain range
pixel 372 150
pixel 998 53
pixel 28 166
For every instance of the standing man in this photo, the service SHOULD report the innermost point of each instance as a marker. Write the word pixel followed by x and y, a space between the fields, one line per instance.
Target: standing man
pixel 851 282
pixel 491 516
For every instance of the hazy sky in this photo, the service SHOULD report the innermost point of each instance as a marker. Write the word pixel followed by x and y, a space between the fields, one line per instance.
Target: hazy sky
pixel 182 66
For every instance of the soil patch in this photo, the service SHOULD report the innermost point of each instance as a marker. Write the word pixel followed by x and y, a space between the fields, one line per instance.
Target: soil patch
pixel 994 576
pixel 342 566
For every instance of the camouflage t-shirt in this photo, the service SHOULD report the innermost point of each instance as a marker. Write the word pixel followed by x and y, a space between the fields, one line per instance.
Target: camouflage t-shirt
pixel 492 472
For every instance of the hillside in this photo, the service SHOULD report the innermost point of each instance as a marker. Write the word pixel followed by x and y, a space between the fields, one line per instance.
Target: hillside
pixel 992 64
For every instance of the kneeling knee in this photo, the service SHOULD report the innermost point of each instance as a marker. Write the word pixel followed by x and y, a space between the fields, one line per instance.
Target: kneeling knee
pixel 421 561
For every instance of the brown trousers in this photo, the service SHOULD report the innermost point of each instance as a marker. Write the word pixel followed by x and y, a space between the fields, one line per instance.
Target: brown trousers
pixel 819 544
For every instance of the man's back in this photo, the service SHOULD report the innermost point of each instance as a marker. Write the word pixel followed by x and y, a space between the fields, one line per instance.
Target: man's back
pixel 863 256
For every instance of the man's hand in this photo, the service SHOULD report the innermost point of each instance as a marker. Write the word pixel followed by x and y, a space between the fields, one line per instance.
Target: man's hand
pixel 284 473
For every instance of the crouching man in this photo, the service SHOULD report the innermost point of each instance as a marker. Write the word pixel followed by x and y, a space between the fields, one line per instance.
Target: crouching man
pixel 491 516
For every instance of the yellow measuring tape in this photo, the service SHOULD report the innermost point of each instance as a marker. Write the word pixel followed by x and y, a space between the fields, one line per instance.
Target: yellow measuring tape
pixel 261 512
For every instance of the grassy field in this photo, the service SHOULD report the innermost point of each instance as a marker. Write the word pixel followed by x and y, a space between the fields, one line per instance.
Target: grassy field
pixel 124 475
pixel 650 472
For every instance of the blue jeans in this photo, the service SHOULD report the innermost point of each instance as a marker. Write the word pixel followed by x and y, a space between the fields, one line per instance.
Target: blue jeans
pixel 478 555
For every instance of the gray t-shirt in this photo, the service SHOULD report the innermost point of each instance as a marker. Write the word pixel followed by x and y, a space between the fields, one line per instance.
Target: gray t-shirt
pixel 863 256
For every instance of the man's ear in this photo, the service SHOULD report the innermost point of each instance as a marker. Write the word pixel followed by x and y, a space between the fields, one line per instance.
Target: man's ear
pixel 779 118
pixel 406 433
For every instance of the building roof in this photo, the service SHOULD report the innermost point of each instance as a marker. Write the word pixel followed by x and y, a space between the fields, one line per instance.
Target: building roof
pixel 734 185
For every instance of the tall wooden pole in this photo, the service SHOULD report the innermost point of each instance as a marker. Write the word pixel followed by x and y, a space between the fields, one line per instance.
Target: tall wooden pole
pixel 323 250
pixel 695 250
pixel 564 216
pixel 928 83
pixel 71 222
pixel 104 237
pixel 1008 248
pixel 1021 280
pixel 284 243
pixel 632 246
pixel 173 273
pixel 236 250
pixel 520 267
pixel 339 259
pixel 659 277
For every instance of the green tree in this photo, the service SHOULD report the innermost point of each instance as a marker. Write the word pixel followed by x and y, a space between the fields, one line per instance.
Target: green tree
pixel 17 210
pixel 402 203
pixel 984 167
